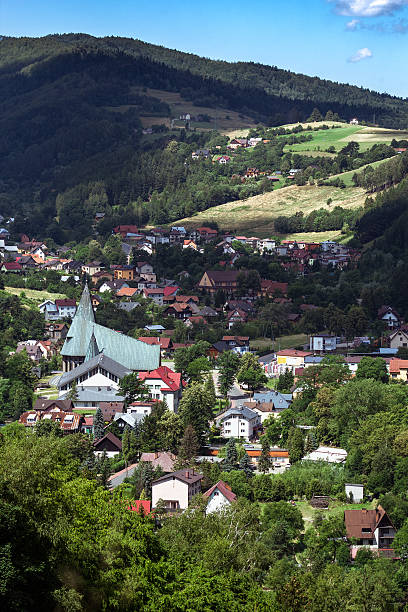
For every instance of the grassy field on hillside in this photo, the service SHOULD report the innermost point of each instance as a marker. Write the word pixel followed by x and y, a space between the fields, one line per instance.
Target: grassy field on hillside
pixel 347 177
pixel 339 137
pixel 34 295
pixel 255 215
pixel 224 120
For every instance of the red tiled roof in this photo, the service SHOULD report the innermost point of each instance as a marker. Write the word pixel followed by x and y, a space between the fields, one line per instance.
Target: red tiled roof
pixel 164 342
pixel 224 489
pixel 166 375
pixel 272 286
pixel 170 290
pixel 126 292
pixel 293 353
pixel 12 265
pixel 396 365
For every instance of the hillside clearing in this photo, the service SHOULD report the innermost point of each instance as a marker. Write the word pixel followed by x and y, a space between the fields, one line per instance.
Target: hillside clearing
pixel 220 119
pixel 339 137
pixel 256 214
pixel 33 294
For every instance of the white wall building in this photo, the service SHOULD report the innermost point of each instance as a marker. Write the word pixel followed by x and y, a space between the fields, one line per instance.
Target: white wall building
pixel 176 489
pixel 164 385
pixel 219 497
pixel 240 423
pixel 356 491
pixel 327 453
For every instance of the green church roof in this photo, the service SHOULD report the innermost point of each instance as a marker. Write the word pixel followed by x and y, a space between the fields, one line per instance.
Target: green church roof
pixel 85 335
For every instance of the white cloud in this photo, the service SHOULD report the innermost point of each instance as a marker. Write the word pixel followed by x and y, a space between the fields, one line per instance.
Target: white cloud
pixel 352 25
pixel 360 55
pixel 368 8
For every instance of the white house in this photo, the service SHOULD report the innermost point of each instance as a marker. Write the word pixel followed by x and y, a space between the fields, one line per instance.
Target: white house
pixel 389 316
pixel 219 496
pixel 354 492
pixel 240 422
pixel 398 339
pixel 327 453
pixel 176 489
pixel 323 343
pixel 164 385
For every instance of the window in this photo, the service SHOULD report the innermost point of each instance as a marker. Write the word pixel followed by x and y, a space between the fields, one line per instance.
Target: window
pixel 366 530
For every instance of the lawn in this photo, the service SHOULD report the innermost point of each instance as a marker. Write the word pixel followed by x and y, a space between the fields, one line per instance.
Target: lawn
pixel 255 215
pixel 347 177
pixel 281 343
pixel 34 295
pixel 339 137
pixel 85 411
pixel 336 508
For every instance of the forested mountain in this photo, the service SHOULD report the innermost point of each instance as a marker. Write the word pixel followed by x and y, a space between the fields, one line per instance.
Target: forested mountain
pixel 66 152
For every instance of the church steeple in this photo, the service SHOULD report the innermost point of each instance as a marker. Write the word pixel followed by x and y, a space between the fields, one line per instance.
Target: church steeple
pixel 85 309
pixel 93 349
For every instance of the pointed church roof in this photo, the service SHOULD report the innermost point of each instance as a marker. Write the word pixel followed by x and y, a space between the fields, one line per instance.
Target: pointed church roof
pixel 92 350
pixel 85 309
pixel 85 337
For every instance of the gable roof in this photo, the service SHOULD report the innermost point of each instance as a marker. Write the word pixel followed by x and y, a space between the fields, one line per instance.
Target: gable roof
pixel 188 476
pixel 101 360
pixel 109 437
pixel 357 520
pixel 129 352
pixel 224 489
pixel 398 364
pixel 165 460
pixel 47 404
pixel 166 375
pixel 127 292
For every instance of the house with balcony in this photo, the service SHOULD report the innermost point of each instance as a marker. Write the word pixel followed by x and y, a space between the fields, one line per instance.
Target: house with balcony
pixel 372 529
pixel 176 489
pixel 164 385
pixel 240 423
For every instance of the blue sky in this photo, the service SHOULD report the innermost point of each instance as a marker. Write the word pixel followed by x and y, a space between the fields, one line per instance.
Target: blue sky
pixel 363 42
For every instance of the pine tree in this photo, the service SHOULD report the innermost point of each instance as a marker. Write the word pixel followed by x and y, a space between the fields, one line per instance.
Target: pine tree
pixel 126 444
pixel 73 392
pixel 189 445
pixel 98 424
pixel 209 388
pixel 231 458
pixel 147 478
pixel 227 364
pixel 246 466
pixel 295 445
pixel 265 461
pixel 104 469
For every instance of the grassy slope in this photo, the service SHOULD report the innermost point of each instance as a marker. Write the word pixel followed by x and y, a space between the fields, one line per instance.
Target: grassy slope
pixel 256 214
pixel 339 137
pixel 34 295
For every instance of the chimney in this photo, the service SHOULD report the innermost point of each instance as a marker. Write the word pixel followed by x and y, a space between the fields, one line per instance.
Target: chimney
pixel 187 475
pixel 156 454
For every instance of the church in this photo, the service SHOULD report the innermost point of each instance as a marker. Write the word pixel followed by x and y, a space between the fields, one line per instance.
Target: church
pixel 86 340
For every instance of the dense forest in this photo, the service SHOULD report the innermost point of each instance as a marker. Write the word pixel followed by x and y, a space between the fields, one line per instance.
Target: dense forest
pixel 67 153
